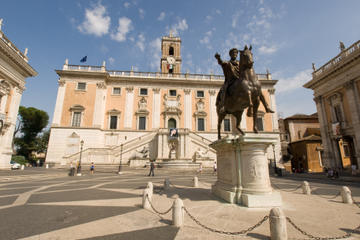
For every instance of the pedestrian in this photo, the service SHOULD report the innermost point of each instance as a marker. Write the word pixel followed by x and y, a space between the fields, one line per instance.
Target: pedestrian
pixel 92 168
pixel 353 169
pixel 215 167
pixel 200 168
pixel 152 167
pixel 72 169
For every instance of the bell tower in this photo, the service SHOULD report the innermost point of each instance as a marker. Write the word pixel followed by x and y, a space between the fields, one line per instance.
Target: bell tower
pixel 170 54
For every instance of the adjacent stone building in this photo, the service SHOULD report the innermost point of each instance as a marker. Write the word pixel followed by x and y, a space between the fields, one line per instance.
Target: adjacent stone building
pixel 133 116
pixel 14 69
pixel 336 87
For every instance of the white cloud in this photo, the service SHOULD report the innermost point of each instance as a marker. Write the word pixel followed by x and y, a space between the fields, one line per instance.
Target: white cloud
pixel 292 83
pixel 267 49
pixel 162 16
pixel 206 39
pixel 125 26
pixel 126 4
pixel 235 19
pixel 141 42
pixel 208 18
pixel 181 25
pixel 111 60
pixel 218 11
pixel 96 21
pixel 155 51
pixel 141 13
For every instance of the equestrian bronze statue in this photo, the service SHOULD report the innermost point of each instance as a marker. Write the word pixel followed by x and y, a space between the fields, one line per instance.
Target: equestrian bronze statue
pixel 240 90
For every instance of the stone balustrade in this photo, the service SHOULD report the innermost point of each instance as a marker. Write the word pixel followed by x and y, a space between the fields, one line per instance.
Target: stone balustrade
pixel 12 46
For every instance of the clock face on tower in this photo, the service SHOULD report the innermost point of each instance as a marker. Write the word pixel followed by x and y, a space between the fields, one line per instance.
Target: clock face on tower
pixel 170 60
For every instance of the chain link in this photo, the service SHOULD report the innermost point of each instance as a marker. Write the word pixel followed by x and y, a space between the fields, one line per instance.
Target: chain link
pixel 329 198
pixel 161 213
pixel 225 232
pixel 291 190
pixel 321 238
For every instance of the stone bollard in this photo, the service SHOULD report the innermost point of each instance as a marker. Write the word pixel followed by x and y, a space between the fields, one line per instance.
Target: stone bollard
pixel 196 182
pixel 151 187
pixel 47 166
pixel 306 188
pixel 22 167
pixel 178 213
pixel 346 195
pixel 166 183
pixel 145 200
pixel 277 221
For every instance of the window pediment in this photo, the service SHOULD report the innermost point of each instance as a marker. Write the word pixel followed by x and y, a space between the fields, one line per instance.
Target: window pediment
pixel 77 107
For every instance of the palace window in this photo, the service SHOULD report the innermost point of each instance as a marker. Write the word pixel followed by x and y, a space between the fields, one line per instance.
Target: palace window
pixel 116 91
pixel 76 111
pixel 143 92
pixel 201 124
pixel 200 94
pixel 227 125
pixel 171 51
pixel 142 123
pixel 171 123
pixel 81 86
pixel 76 120
pixel 260 123
pixel 113 122
pixel 172 93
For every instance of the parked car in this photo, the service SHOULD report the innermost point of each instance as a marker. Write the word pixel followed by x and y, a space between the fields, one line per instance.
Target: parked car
pixel 15 165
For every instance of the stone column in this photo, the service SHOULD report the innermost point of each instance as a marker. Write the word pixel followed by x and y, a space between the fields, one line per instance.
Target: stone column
pixel 3 103
pixel 352 95
pixel 59 103
pixel 325 138
pixel 275 123
pixel 213 114
pixel 129 106
pixel 182 146
pixel 156 108
pixel 188 108
pixel 7 138
pixel 100 103
pixel 160 145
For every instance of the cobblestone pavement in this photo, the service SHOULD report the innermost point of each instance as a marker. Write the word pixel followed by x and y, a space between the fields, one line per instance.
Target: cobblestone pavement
pixel 47 204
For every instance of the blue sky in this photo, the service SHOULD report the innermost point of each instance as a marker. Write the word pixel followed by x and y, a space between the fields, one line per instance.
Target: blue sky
pixel 287 36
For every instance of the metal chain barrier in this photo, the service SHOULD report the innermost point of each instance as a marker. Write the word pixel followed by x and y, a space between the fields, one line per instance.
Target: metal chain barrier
pixel 291 190
pixel 225 232
pixel 356 203
pixel 321 238
pixel 329 198
pixel 153 208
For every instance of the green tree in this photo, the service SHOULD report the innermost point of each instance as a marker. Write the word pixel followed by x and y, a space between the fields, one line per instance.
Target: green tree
pixel 32 123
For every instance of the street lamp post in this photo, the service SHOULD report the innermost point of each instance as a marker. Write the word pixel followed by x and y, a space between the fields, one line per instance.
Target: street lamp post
pixel 275 168
pixel 78 171
pixel 121 150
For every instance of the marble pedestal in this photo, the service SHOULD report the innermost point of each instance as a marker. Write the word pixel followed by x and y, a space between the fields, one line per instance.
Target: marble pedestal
pixel 243 173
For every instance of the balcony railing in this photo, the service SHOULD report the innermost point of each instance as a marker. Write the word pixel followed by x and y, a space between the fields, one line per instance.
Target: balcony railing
pixel 341 57
pixel 12 46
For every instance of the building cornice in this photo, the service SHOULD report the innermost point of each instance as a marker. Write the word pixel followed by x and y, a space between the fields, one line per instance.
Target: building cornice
pixel 16 56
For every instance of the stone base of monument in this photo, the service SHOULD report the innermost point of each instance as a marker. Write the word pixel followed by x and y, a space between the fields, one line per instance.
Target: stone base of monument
pixel 242 170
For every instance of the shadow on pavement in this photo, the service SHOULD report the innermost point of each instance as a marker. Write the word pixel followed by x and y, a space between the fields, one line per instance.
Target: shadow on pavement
pixel 159 233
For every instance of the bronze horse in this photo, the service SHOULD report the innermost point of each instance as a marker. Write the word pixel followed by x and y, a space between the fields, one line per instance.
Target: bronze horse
pixel 244 92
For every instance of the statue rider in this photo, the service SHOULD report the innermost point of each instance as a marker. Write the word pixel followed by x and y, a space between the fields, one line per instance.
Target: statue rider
pixel 231 73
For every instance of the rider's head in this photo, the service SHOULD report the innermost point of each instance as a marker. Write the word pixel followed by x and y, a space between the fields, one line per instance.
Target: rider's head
pixel 233 53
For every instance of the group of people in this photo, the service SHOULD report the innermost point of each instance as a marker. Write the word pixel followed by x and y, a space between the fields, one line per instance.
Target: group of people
pixel 72 168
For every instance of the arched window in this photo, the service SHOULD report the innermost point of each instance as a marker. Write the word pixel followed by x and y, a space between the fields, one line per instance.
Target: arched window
pixel 171 123
pixel 171 51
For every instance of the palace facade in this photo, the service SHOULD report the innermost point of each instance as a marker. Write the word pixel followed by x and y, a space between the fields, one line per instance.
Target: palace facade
pixel 109 116
pixel 14 69
pixel 336 87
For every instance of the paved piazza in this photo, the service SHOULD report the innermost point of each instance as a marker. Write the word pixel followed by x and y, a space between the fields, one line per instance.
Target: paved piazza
pixel 47 204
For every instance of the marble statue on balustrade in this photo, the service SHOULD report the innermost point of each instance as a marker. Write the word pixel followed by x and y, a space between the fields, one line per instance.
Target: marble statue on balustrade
pixel 140 154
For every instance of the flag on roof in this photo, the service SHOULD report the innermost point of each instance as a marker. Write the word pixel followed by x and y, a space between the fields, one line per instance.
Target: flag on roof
pixel 83 59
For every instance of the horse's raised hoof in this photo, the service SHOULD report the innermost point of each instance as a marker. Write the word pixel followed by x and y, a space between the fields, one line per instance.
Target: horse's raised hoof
pixel 249 112
pixel 255 130
pixel 268 110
